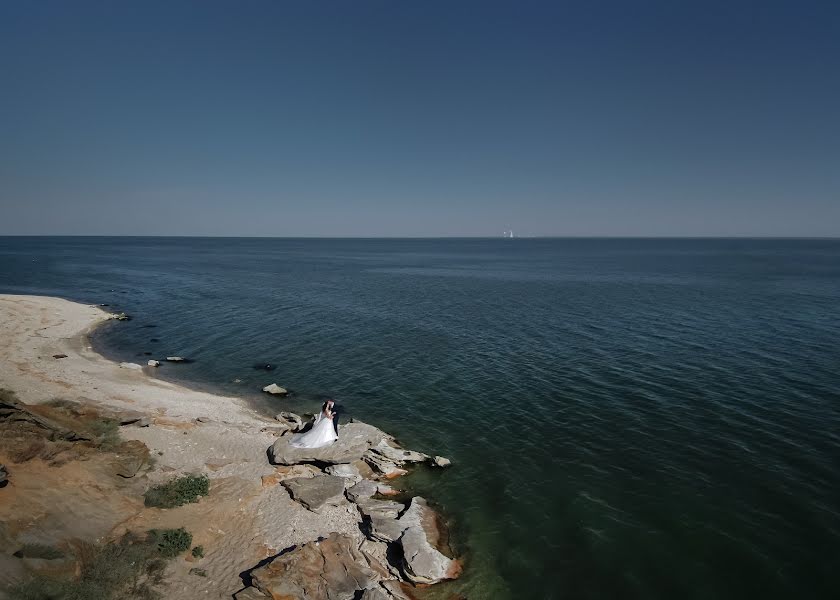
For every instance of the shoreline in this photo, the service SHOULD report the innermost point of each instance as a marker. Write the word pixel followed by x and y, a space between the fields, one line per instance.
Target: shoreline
pixel 252 512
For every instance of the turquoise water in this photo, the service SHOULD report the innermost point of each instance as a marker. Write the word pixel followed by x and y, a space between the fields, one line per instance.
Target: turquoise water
pixel 627 418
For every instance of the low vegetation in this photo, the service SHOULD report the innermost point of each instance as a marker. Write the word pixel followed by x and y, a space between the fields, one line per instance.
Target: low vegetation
pixel 177 492
pixel 131 568
pixel 171 542
pixel 56 432
pixel 198 552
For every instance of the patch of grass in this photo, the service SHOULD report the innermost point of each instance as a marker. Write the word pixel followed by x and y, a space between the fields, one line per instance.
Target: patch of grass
pixel 171 542
pixel 177 492
pixel 130 568
pixel 199 572
pixel 107 432
pixel 198 552
pixel 28 452
pixel 39 551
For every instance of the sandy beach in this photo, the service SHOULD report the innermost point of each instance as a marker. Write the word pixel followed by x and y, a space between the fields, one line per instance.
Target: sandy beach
pixel 247 516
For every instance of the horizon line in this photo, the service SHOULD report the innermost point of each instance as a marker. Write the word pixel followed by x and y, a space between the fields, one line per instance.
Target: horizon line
pixel 433 237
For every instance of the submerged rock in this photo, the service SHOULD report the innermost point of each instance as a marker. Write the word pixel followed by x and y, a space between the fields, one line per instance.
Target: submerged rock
pixel 264 367
pixel 119 317
pixel 354 439
pixel 316 492
pixel 275 389
pixel 330 569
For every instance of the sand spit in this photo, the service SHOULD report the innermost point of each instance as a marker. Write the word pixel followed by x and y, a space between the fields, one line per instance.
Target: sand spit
pixel 248 517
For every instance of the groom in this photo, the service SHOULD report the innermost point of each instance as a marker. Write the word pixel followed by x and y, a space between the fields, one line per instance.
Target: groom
pixel 337 411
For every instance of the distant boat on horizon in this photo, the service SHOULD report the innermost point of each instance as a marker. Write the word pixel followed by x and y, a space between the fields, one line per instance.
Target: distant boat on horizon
pixel 508 234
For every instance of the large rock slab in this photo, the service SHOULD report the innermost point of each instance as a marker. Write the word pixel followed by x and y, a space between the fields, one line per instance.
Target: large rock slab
pixel 316 492
pixel 331 569
pixel 387 459
pixel 422 561
pixel 354 439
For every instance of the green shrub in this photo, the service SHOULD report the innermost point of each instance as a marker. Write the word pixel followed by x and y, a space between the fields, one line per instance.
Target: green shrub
pixel 39 551
pixel 182 490
pixel 198 552
pixel 171 542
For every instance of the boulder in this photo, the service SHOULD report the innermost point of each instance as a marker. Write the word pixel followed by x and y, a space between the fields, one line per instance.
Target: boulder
pixel 422 561
pixel 376 593
pixel 275 389
pixel 131 456
pixel 330 569
pixel 292 421
pixel 153 363
pixel 382 465
pixel 345 471
pixel 250 593
pixel 383 508
pixel 354 439
pixel 395 588
pixel 367 488
pixel 388 459
pixel 399 456
pixel 440 461
pixel 362 490
pixel 130 365
pixel 316 492
pixel 119 316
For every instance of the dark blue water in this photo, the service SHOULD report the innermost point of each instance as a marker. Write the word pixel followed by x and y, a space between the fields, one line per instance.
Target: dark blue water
pixel 628 418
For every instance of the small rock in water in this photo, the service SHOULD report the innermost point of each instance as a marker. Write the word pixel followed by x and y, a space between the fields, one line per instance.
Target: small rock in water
pixel 237 381
pixel 154 363
pixel 120 317
pixel 176 358
pixel 440 461
pixel 265 367
pixel 275 389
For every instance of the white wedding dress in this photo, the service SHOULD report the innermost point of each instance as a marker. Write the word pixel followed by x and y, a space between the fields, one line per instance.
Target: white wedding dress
pixel 321 434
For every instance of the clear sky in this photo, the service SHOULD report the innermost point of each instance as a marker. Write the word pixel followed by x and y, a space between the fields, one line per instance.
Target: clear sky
pixel 425 118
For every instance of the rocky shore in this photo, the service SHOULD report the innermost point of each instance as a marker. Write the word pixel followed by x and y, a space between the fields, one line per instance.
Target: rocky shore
pixel 83 440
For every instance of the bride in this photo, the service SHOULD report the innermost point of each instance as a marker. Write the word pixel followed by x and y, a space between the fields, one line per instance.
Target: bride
pixel 322 432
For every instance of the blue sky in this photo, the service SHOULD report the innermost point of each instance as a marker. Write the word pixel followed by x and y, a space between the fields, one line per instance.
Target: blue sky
pixel 420 118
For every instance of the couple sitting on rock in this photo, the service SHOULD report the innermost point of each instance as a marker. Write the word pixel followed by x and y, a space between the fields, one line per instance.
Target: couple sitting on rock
pixel 324 430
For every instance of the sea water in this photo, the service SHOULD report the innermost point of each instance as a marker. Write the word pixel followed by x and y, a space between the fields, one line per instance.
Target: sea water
pixel 627 418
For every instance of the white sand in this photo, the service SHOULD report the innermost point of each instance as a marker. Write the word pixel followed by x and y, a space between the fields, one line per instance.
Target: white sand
pixel 241 522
